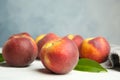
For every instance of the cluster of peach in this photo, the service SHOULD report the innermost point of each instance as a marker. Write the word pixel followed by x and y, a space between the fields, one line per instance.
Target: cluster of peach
pixel 58 54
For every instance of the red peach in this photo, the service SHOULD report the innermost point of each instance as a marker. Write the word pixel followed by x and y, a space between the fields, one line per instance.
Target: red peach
pixel 76 38
pixel 48 37
pixel 59 56
pixel 96 49
pixel 20 50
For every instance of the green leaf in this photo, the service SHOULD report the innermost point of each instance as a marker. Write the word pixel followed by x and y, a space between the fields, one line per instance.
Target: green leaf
pixel 1 58
pixel 89 66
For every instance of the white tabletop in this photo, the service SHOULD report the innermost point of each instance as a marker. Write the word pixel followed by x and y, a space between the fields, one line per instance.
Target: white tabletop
pixel 36 71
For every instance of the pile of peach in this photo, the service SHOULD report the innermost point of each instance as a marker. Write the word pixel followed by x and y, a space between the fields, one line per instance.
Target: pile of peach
pixel 58 54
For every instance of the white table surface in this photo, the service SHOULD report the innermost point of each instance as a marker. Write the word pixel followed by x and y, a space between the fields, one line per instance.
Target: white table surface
pixel 36 71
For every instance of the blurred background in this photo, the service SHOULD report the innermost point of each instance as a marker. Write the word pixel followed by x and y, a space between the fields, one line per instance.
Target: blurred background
pixel 89 18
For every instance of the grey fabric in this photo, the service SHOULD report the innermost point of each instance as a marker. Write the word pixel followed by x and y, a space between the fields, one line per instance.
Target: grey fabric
pixel 113 58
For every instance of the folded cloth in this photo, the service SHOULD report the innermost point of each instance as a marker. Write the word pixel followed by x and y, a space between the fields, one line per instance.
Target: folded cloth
pixel 113 58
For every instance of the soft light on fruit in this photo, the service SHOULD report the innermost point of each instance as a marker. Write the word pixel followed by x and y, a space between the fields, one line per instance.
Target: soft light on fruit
pixel 96 49
pixel 20 50
pixel 59 56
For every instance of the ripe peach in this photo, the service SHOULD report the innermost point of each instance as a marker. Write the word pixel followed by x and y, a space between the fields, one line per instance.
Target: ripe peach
pixel 20 50
pixel 59 56
pixel 76 38
pixel 48 37
pixel 38 38
pixel 96 49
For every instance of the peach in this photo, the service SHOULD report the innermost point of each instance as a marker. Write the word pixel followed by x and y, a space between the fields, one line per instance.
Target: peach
pixel 38 38
pixel 19 50
pixel 59 56
pixel 48 37
pixel 76 38
pixel 96 49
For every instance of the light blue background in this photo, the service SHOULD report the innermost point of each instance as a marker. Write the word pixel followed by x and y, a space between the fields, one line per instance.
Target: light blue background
pixel 89 18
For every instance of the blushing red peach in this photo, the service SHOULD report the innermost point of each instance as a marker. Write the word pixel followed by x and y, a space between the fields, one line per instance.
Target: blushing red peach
pixel 59 56
pixel 76 38
pixel 96 49
pixel 19 50
pixel 48 37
